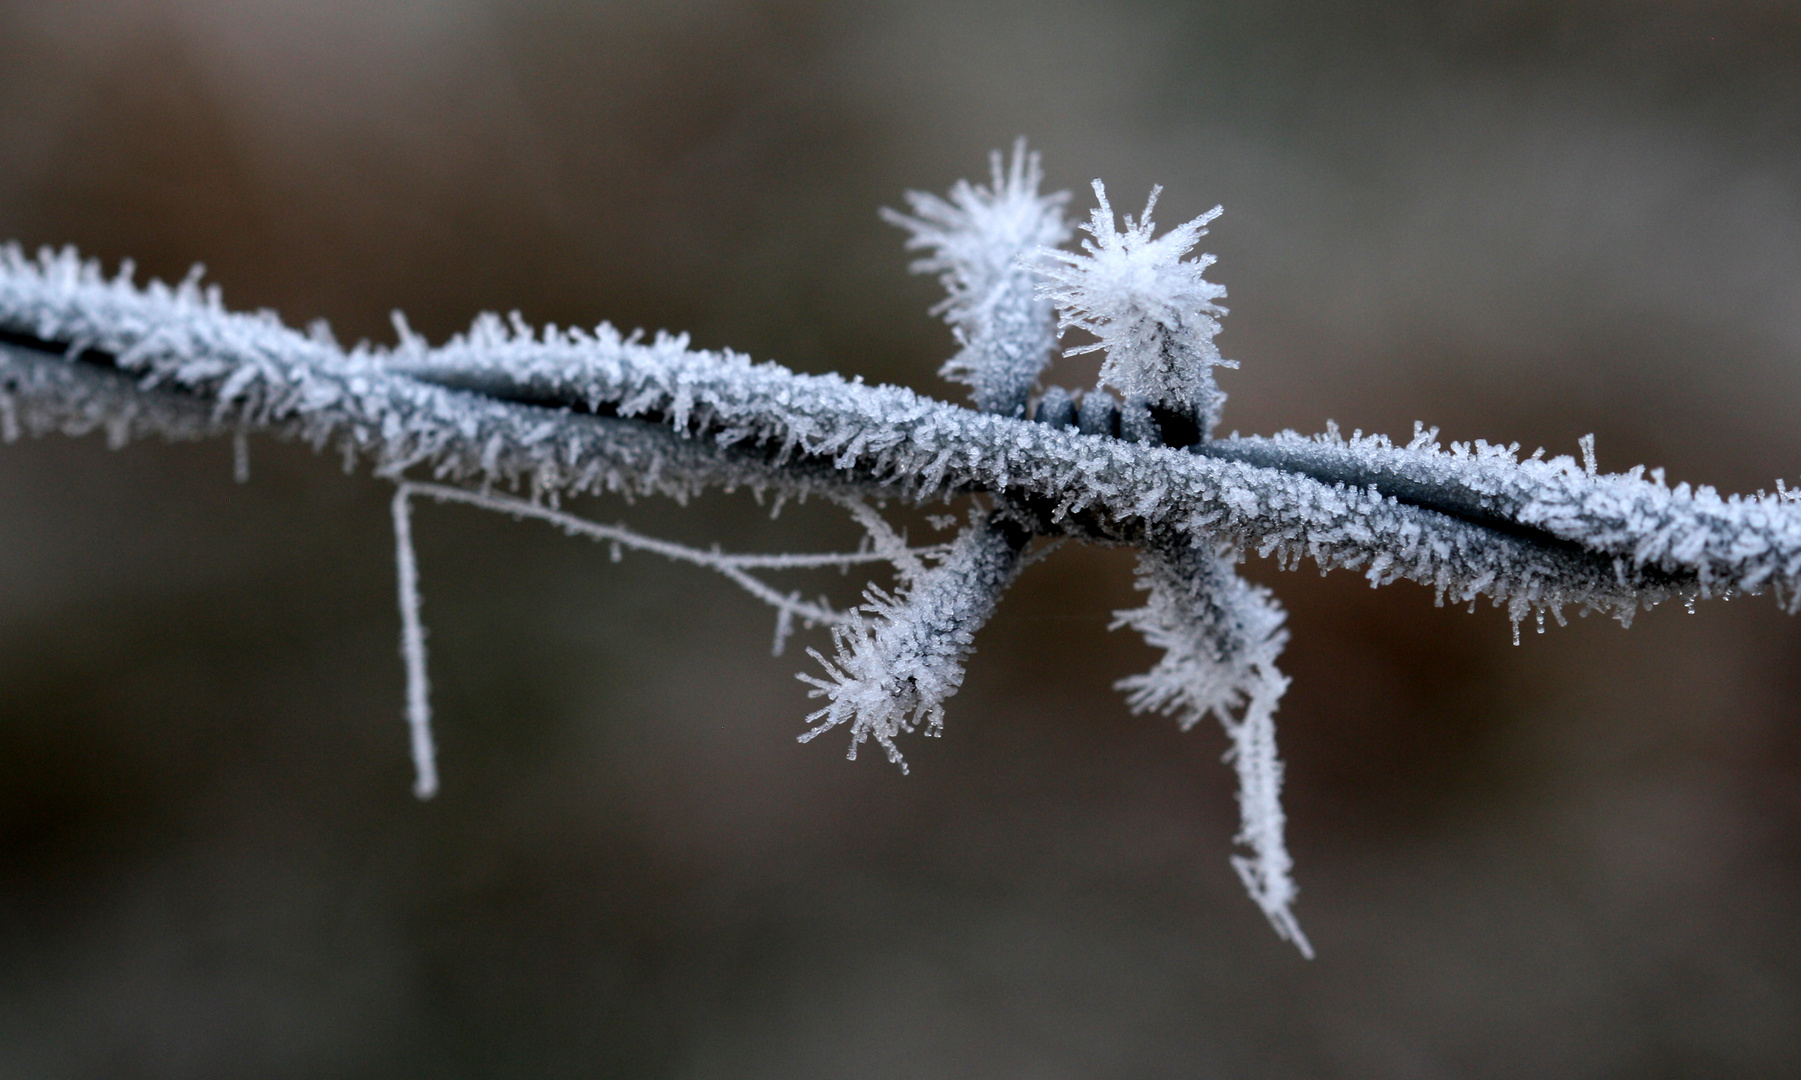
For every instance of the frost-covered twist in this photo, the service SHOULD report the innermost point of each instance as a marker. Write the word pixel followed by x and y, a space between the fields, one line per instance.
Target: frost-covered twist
pixel 1725 544
pixel 97 351
pixel 1089 485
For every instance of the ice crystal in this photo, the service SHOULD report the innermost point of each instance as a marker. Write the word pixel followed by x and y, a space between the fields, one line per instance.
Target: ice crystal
pixel 977 239
pixel 1153 311
pixel 1220 637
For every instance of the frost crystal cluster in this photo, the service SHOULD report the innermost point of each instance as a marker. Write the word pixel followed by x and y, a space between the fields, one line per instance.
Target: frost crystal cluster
pixel 894 670
pixel 1153 311
pixel 978 240
pixel 1220 637
pixel 512 418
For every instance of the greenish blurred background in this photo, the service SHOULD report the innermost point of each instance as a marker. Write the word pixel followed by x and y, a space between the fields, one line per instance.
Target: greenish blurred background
pixel 1519 220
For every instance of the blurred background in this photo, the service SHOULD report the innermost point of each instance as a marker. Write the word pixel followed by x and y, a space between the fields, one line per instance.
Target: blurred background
pixel 1520 220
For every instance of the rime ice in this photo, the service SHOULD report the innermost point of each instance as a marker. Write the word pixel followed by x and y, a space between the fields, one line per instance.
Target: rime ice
pixel 978 238
pixel 548 412
pixel 1153 311
pixel 1220 637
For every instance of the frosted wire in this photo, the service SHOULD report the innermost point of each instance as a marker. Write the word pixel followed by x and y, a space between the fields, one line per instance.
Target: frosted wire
pixel 1657 543
pixel 1536 535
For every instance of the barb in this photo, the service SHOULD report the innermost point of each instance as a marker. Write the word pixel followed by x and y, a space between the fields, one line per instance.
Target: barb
pixel 892 672
pixel 977 241
pixel 1221 636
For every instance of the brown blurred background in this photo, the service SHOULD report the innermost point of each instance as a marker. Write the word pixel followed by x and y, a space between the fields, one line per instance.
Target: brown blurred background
pixel 1518 220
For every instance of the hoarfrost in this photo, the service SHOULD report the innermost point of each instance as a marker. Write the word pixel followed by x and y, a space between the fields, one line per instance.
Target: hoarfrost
pixel 1221 636
pixel 977 238
pixel 1153 311
pixel 548 413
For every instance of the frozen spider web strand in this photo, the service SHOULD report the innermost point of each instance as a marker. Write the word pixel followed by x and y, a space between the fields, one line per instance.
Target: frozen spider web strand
pixel 1221 636
pixel 412 651
pixel 978 239
pixel 789 606
pixel 1153 311
pixel 898 658
pixel 733 567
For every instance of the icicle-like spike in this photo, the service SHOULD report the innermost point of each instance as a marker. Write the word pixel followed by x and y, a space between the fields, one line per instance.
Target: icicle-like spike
pixel 734 567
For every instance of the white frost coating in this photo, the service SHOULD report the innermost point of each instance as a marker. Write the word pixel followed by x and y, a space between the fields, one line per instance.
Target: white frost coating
pixel 899 658
pixel 877 439
pixel 1221 636
pixel 412 650
pixel 1152 310
pixel 260 375
pixel 1728 543
pixel 503 404
pixel 977 239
